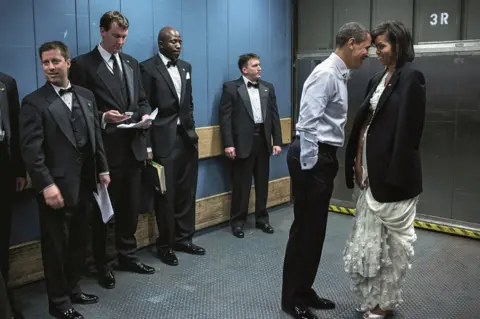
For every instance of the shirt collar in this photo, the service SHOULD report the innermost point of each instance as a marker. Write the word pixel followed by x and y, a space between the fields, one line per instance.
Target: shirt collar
pixel 247 80
pixel 340 65
pixel 105 54
pixel 164 59
pixel 58 88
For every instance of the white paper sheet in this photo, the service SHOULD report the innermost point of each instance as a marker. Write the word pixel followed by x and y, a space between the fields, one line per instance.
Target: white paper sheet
pixel 103 200
pixel 143 123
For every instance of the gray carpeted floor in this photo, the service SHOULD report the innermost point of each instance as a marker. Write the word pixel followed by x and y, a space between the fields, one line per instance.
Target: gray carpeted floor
pixel 241 278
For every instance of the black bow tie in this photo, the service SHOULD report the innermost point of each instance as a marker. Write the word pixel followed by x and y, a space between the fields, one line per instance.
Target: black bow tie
pixel 251 84
pixel 171 63
pixel 63 91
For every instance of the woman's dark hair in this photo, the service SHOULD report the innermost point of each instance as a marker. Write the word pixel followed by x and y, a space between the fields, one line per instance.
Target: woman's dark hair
pixel 399 38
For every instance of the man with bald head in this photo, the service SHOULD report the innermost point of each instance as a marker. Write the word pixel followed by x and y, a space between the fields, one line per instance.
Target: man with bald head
pixel 168 85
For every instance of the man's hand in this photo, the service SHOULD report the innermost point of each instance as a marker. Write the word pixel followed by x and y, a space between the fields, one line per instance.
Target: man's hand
pixel 113 116
pixel 104 179
pixel 230 152
pixel 20 183
pixel 148 124
pixel 276 150
pixel 53 197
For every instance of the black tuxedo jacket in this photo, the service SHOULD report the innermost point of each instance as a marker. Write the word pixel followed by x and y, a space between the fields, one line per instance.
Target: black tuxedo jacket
pixel 161 94
pixel 236 117
pixel 393 140
pixel 9 108
pixel 90 71
pixel 48 144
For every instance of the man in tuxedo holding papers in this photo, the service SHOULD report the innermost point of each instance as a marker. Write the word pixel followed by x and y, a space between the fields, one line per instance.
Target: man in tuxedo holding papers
pixel 62 147
pixel 168 86
pixel 115 79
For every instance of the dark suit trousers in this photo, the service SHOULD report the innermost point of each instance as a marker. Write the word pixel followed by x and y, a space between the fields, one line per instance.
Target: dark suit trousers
pixel 63 238
pixel 125 195
pixel 7 189
pixel 5 312
pixel 258 165
pixel 311 192
pixel 175 210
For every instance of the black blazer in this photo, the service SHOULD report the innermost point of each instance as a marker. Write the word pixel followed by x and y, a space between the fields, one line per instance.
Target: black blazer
pixel 393 140
pixel 48 145
pixel 236 117
pixel 90 71
pixel 161 94
pixel 10 108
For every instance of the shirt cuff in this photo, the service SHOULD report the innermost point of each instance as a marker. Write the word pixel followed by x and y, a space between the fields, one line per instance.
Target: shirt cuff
pixel 308 162
pixel 104 173
pixel 104 124
pixel 149 149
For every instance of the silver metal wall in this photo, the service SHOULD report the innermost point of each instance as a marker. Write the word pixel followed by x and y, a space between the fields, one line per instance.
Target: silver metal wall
pixel 429 20
pixel 451 141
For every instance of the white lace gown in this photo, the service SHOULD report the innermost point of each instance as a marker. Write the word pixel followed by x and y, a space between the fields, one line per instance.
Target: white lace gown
pixel 380 248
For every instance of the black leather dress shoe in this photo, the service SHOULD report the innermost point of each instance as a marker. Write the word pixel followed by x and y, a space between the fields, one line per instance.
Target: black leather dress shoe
pixel 83 299
pixel 238 232
pixel 299 312
pixel 106 279
pixel 320 303
pixel 190 248
pixel 266 228
pixel 66 314
pixel 167 256
pixel 136 266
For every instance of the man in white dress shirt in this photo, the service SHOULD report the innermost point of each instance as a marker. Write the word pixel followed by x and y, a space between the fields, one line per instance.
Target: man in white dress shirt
pixel 249 120
pixel 62 147
pixel 114 77
pixel 168 85
pixel 313 165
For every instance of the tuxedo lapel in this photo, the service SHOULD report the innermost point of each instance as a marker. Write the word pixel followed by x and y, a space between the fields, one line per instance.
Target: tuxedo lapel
pixel 107 78
pixel 183 76
pixel 264 94
pixel 60 113
pixel 242 90
pixel 87 107
pixel 164 72
pixel 388 89
pixel 4 109
pixel 128 76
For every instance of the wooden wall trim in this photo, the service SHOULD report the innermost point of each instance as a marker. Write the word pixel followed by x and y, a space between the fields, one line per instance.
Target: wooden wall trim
pixel 26 259
pixel 210 141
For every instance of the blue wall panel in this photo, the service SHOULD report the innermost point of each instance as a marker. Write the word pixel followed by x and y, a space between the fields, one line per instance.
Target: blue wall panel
pixel 141 42
pixel 17 43
pixel 64 27
pixel 83 27
pixel 215 33
pixel 194 34
pixel 217 55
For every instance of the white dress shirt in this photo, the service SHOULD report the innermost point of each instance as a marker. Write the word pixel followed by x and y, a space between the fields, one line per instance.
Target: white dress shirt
pixel 254 95
pixel 66 97
pixel 323 109
pixel 175 75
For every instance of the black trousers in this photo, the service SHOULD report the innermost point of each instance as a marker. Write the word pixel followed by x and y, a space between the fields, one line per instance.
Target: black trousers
pixel 311 192
pixel 175 210
pixel 5 312
pixel 125 195
pixel 258 165
pixel 7 193
pixel 63 238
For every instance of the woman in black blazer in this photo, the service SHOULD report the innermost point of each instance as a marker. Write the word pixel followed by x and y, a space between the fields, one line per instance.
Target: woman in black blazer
pixel 383 165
